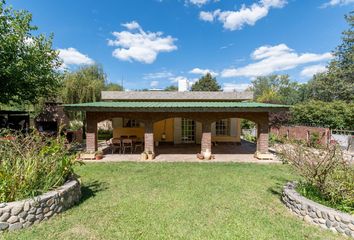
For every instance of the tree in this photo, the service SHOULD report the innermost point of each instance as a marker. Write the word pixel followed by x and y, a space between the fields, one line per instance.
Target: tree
pixel 334 115
pixel 275 89
pixel 27 62
pixel 171 88
pixel 338 82
pixel 206 83
pixel 84 85
pixel 113 87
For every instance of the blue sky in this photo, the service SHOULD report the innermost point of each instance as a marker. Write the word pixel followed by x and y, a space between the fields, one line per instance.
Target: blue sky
pixel 153 43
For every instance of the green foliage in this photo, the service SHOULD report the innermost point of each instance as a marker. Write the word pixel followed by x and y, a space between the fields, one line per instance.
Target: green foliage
pixel 335 115
pixel 206 83
pixel 104 134
pixel 249 137
pixel 328 178
pixel 171 88
pixel 113 87
pixel 276 89
pixel 27 62
pixel 31 165
pixel 75 125
pixel 247 124
pixel 338 82
pixel 84 85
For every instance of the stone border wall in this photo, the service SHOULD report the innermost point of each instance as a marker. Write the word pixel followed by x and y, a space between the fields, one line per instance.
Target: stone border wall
pixel 317 214
pixel 22 214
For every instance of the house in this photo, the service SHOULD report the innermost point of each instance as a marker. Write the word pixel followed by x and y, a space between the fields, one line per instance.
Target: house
pixel 178 117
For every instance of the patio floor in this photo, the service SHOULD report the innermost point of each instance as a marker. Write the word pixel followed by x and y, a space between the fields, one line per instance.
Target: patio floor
pixel 224 152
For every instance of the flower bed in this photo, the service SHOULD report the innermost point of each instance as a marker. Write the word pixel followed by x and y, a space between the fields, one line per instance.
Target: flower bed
pixel 317 214
pixel 22 214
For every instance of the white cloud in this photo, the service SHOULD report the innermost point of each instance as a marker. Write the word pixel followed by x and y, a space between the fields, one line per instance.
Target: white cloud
pixel 203 71
pixel 235 87
pixel 271 59
pixel 131 25
pixel 154 83
pixel 309 71
pixel 157 75
pixel 198 2
pixel 206 16
pixel 71 56
pixel 235 20
pixel 332 3
pixel 139 45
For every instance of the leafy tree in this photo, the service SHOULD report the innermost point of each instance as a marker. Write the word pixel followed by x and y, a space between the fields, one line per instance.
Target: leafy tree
pixel 275 89
pixel 206 83
pixel 27 62
pixel 338 82
pixel 335 115
pixel 171 88
pixel 84 85
pixel 113 87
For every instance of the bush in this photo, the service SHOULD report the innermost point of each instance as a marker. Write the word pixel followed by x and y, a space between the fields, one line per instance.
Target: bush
pixel 104 134
pixel 334 115
pixel 249 137
pixel 31 164
pixel 328 178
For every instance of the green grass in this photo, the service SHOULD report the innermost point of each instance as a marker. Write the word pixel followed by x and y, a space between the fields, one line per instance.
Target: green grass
pixel 178 201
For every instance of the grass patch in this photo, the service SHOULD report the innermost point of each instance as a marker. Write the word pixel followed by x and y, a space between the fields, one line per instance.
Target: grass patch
pixel 178 201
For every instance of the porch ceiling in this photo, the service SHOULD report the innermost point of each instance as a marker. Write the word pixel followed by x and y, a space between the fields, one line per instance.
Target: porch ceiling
pixel 170 106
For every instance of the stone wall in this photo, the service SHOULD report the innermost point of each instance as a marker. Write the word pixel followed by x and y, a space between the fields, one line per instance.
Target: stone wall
pixel 317 214
pixel 22 214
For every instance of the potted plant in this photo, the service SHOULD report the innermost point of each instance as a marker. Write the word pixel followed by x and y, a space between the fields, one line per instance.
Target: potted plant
pixel 144 156
pixel 99 155
pixel 151 155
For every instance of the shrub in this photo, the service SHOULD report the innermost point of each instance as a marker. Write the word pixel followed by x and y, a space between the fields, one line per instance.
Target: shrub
pixel 328 178
pixel 249 137
pixel 32 164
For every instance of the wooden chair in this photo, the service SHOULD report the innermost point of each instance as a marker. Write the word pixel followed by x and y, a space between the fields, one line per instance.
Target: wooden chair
pixel 127 144
pixel 139 144
pixel 115 144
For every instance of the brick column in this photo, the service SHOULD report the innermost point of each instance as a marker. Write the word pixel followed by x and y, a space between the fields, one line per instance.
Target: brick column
pixel 262 135
pixel 206 136
pixel 149 136
pixel 91 132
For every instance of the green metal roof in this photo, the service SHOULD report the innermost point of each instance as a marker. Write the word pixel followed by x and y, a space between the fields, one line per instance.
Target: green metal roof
pixel 170 104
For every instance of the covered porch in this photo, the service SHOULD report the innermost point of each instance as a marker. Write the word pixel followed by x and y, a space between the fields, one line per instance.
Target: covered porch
pixel 204 112
pixel 223 152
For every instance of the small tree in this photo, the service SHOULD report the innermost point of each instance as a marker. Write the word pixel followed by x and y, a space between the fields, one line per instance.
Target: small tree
pixel 113 87
pixel 314 165
pixel 206 83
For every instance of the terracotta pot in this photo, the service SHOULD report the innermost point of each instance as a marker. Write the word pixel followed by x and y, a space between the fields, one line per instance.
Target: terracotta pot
pixel 99 157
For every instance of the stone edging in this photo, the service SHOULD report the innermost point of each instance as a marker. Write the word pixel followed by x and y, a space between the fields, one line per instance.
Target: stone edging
pixel 317 214
pixel 24 213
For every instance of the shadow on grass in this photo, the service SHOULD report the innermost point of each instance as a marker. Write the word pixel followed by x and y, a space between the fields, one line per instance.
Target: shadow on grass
pixel 91 189
pixel 277 189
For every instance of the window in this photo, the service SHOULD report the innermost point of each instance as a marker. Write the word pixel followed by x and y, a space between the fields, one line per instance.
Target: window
pixel 188 130
pixel 222 127
pixel 130 123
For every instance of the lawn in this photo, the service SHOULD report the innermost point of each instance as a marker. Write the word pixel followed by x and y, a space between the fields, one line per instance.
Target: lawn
pixel 178 201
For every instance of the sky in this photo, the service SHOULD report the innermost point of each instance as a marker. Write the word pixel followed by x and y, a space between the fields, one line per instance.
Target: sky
pixel 154 43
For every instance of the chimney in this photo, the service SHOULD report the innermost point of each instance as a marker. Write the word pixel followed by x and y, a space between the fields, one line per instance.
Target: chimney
pixel 183 85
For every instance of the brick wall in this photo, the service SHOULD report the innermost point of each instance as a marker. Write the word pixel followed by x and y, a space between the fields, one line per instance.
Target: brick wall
pixel 302 133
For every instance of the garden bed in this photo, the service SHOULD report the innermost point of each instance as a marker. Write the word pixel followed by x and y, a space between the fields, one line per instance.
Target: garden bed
pixel 317 214
pixel 22 214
